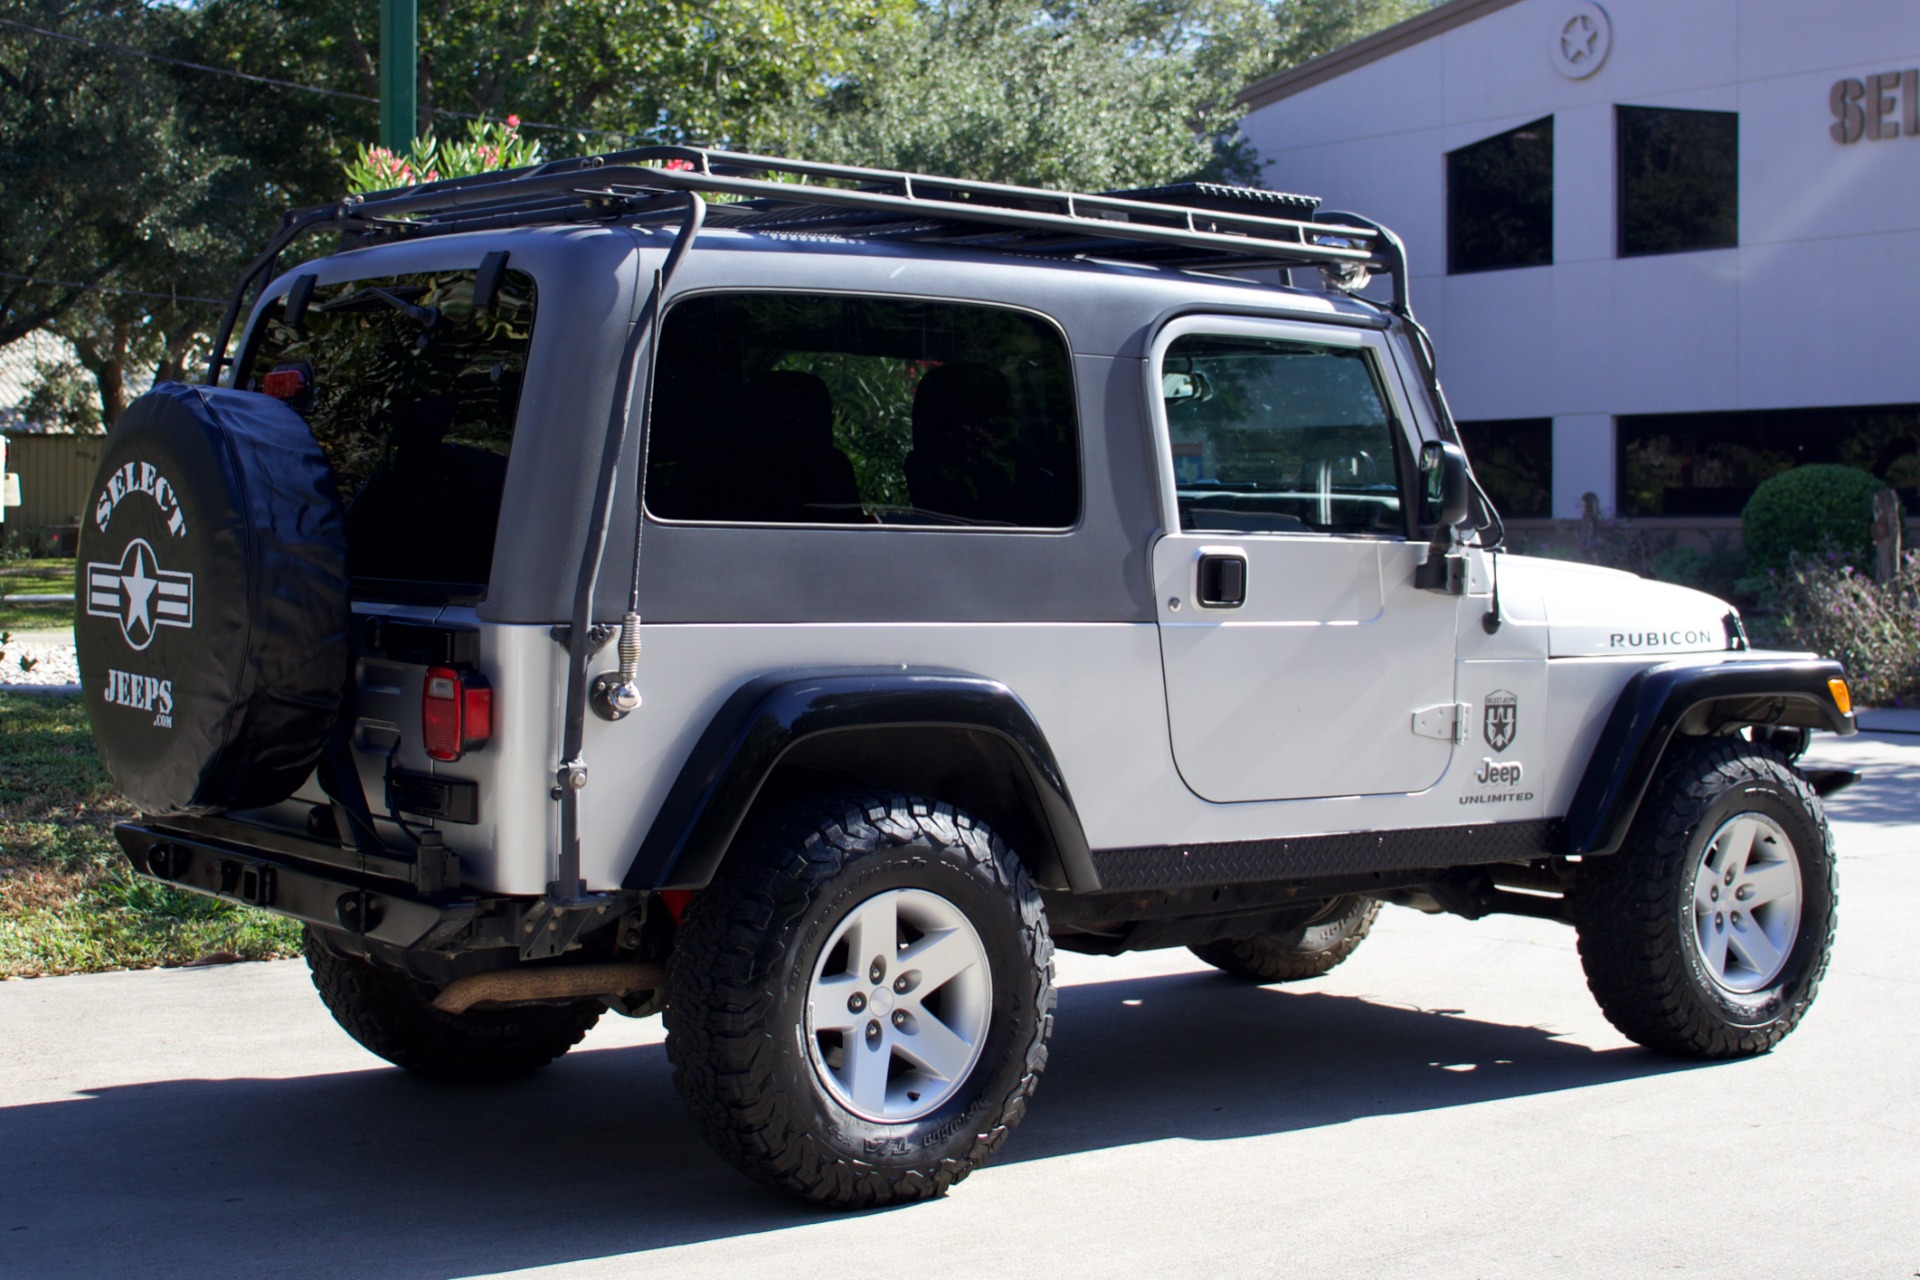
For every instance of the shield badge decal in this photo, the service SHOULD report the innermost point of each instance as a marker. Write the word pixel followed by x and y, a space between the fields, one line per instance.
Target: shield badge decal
pixel 1502 719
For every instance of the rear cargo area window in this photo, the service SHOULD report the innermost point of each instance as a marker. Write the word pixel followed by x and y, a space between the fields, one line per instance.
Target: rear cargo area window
pixel 412 392
pixel 787 408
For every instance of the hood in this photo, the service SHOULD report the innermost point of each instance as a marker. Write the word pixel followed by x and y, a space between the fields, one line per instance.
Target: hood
pixel 1594 612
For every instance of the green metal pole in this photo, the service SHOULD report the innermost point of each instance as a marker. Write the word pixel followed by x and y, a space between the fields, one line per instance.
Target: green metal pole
pixel 399 50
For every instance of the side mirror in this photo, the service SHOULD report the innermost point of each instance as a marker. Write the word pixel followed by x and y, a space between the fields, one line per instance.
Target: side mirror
pixel 1446 489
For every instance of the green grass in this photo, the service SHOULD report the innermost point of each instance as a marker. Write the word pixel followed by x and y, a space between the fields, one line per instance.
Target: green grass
pixel 37 577
pixel 68 903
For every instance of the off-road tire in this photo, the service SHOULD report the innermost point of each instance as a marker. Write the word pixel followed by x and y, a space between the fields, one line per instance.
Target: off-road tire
pixel 738 1030
pixel 392 1015
pixel 1635 909
pixel 1309 950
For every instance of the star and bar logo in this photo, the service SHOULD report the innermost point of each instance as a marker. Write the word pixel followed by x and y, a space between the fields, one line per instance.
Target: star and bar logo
pixel 139 595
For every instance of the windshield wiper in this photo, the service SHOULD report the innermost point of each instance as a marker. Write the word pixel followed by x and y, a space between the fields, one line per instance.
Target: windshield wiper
pixel 428 317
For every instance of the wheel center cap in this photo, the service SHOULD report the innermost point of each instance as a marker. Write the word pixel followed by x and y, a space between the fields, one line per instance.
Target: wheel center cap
pixel 881 999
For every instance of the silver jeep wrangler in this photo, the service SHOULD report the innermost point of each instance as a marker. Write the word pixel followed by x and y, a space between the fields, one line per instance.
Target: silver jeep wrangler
pixel 799 598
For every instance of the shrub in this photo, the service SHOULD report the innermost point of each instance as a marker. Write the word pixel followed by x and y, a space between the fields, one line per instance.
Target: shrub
pixel 1873 628
pixel 1810 509
pixel 489 146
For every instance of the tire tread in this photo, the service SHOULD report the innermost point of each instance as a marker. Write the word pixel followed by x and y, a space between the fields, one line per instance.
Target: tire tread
pixel 1629 940
pixel 722 994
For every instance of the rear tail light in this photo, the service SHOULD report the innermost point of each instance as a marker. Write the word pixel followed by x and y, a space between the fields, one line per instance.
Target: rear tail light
pixel 456 713
pixel 288 381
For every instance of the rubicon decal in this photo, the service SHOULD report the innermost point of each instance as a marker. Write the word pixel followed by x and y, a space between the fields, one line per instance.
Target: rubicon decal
pixel 139 595
pixel 140 477
pixel 1661 639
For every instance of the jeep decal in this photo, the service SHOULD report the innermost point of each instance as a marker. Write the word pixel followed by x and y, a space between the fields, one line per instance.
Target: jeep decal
pixel 140 693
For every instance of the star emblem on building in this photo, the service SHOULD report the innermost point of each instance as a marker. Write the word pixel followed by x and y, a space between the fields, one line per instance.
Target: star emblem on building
pixel 1579 38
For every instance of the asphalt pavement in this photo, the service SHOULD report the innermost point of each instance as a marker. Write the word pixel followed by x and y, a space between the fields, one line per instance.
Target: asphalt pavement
pixel 1448 1103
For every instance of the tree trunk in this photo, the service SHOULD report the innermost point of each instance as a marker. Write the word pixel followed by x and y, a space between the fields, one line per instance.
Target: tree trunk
pixel 180 343
pixel 1887 523
pixel 106 359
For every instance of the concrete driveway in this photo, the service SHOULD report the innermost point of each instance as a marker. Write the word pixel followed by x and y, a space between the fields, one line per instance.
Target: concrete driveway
pixel 1449 1103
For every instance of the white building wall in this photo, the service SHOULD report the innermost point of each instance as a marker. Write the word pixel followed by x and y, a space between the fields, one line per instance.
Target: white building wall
pixel 1813 308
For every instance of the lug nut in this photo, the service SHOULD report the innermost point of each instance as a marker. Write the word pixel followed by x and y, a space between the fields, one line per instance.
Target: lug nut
pixel 877 971
pixel 873 1032
pixel 900 983
pixel 856 1002
pixel 1736 919
pixel 1729 875
pixel 1719 921
pixel 899 1017
pixel 1714 893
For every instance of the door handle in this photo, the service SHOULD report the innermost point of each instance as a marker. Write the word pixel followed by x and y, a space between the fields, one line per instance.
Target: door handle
pixel 1222 580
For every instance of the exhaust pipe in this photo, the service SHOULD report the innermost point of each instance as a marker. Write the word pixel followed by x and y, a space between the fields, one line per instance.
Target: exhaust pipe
pixel 573 982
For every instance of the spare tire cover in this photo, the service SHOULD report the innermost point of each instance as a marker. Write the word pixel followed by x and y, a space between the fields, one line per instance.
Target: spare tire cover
pixel 211 608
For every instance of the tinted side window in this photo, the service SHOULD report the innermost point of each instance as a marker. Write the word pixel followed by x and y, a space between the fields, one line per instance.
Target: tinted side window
pixel 783 408
pixel 1279 437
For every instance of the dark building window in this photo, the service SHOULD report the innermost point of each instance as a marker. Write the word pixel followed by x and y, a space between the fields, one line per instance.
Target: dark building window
pixel 1679 175
pixel 1500 201
pixel 1708 464
pixel 1514 459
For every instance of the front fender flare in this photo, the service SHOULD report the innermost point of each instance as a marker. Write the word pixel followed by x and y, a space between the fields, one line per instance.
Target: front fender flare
pixel 1653 707
pixel 765 719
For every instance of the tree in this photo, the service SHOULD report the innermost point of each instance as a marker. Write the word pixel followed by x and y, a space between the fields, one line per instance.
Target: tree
pixel 143 159
pixel 1088 94
pixel 95 170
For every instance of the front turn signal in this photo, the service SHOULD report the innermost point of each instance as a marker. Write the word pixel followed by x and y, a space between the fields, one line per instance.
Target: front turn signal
pixel 1841 698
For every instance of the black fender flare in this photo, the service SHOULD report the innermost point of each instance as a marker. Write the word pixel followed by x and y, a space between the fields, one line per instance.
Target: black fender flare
pixel 765 720
pixel 1703 697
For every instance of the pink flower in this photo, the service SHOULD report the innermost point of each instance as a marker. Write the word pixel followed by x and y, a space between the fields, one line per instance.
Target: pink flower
pixel 433 175
pixel 513 122
pixel 678 166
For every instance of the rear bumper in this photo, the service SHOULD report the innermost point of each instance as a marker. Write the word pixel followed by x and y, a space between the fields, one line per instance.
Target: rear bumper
pixel 381 908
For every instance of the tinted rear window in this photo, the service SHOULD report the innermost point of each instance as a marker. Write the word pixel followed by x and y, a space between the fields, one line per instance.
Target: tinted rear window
pixel 413 396
pixel 791 408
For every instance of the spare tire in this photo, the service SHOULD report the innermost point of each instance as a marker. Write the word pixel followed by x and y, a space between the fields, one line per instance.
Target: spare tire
pixel 211 608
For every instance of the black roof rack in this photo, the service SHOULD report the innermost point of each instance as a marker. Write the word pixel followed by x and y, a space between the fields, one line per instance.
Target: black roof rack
pixel 1195 224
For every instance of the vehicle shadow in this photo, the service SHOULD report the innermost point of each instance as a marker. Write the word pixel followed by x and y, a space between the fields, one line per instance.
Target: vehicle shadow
pixel 374 1173
pixel 1889 779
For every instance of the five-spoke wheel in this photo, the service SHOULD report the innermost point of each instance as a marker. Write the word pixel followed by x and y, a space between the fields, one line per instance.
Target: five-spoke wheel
pixel 1746 902
pixel 1707 934
pixel 861 1000
pixel 899 1006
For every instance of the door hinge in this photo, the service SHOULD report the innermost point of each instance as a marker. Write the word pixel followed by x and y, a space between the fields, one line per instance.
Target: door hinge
pixel 1447 722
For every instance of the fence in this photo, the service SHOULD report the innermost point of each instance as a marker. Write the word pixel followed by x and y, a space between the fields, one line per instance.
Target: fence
pixel 56 473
